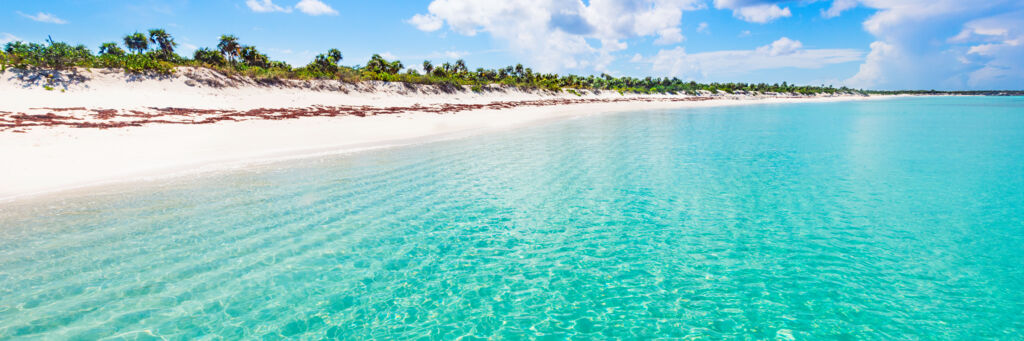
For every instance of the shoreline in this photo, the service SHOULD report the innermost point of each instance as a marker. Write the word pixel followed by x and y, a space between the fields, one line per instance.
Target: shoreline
pixel 47 160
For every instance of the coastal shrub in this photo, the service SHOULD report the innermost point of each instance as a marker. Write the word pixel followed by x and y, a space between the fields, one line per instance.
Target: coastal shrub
pixel 111 48
pixel 56 55
pixel 155 52
pixel 61 56
pixel 252 57
pixel 325 65
pixel 135 63
pixel 21 55
pixel 379 65
pixel 3 61
pixel 209 57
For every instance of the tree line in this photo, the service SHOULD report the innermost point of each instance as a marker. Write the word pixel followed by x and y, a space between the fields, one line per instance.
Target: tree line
pixel 155 51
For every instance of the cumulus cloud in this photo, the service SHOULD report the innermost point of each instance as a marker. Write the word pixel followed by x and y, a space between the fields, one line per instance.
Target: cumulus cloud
pixel 265 6
pixel 315 7
pixel 426 22
pixel 44 17
pixel 562 34
pixel 913 49
pixel 996 43
pixel 838 7
pixel 756 11
pixel 732 64
pixel 872 70
pixel 781 47
pixel 668 36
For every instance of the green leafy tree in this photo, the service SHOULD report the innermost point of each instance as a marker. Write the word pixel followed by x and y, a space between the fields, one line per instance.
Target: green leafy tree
pixel 136 42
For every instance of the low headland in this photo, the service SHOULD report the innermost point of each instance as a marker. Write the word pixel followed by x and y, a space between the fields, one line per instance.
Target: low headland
pixel 71 119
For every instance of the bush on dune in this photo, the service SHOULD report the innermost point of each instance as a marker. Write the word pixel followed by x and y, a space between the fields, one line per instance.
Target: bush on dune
pixel 155 52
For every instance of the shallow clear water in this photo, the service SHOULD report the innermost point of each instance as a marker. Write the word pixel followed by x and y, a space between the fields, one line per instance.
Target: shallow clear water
pixel 884 219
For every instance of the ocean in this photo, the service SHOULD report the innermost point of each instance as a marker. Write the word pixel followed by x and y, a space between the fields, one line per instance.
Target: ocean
pixel 885 219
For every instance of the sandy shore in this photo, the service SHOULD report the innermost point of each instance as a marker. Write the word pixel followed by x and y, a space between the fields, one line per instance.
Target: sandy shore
pixel 105 127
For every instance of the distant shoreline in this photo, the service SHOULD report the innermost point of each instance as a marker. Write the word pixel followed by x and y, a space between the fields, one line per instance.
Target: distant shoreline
pixel 110 127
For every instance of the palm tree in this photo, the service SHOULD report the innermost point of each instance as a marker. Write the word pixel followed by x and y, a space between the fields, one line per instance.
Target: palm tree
pixel 111 48
pixel 460 67
pixel 428 67
pixel 377 64
pixel 229 47
pixel 327 62
pixel 163 40
pixel 334 55
pixel 208 56
pixel 395 67
pixel 252 57
pixel 136 42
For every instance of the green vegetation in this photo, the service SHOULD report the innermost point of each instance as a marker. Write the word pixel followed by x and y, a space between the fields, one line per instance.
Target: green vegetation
pixel 155 53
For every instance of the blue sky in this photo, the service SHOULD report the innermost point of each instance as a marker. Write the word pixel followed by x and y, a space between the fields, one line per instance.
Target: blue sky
pixel 924 44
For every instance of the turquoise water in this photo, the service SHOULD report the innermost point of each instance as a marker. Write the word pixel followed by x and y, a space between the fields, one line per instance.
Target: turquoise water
pixel 887 219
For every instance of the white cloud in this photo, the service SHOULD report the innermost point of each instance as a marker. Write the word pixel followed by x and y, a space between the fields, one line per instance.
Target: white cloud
pixel 912 48
pixel 998 46
pixel 7 38
pixel 265 6
pixel 455 54
pixel 837 8
pixel 756 11
pixel 781 47
pixel 388 56
pixel 744 33
pixel 703 28
pixel 44 17
pixel 668 36
pixel 562 34
pixel 761 14
pixel 872 71
pixel 732 64
pixel 426 22
pixel 315 7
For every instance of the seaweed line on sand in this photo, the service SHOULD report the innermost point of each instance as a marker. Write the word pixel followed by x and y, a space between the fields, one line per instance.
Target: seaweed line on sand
pixel 80 117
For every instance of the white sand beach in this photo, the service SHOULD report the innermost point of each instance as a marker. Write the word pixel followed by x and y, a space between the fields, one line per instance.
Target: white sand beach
pixel 48 155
